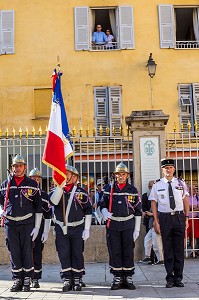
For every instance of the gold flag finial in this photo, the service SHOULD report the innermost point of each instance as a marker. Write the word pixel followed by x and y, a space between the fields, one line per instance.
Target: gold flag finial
pixel 20 133
pixel 40 132
pixel 26 132
pixel 33 132
pixel 189 126
pixel 174 127
pixel 58 63
pixel 13 133
pixel 7 133
pixel 100 130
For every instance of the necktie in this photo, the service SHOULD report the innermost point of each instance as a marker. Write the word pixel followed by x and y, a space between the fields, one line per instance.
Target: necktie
pixel 171 196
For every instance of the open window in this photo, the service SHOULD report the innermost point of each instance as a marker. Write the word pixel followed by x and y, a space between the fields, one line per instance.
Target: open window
pixel 118 19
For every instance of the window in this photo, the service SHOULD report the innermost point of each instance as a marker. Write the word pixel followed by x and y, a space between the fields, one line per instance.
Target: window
pixel 6 31
pixel 42 102
pixel 118 19
pixel 108 108
pixel 188 95
pixel 179 27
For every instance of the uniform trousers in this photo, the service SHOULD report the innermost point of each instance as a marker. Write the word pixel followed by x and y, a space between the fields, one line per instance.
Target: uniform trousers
pixel 173 231
pixel 121 252
pixel 69 248
pixel 37 253
pixel 20 246
pixel 155 240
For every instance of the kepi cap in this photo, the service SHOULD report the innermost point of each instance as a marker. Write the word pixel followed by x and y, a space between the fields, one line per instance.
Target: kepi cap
pixel 167 162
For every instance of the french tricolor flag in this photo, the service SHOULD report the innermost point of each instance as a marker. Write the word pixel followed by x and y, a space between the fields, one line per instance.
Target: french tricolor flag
pixel 57 146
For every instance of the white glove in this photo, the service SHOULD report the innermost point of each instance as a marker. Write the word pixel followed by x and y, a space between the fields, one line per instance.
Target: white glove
pixel 137 227
pixel 106 214
pixel 44 236
pixel 2 212
pixel 85 234
pixel 56 195
pixel 87 225
pixel 35 231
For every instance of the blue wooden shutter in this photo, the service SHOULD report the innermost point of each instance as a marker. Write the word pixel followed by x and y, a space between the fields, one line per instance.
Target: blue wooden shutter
pixel 166 26
pixel 7 31
pixel 126 25
pixel 81 28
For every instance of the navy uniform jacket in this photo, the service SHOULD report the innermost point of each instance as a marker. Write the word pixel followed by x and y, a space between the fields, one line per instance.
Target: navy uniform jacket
pixel 80 205
pixel 47 209
pixel 125 202
pixel 23 199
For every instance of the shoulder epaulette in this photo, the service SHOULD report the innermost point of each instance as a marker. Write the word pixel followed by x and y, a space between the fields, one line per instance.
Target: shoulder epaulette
pixel 156 180
pixel 180 178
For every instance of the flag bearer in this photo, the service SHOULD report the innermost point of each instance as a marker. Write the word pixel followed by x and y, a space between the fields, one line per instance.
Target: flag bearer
pixel 121 208
pixel 73 214
pixel 21 207
pixel 43 231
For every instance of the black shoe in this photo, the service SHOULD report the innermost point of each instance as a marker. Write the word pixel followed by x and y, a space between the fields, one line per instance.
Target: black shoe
pixel 179 284
pixel 67 285
pixel 76 284
pixel 17 286
pixel 170 284
pixel 128 283
pixel 35 283
pixel 26 284
pixel 82 283
pixel 160 262
pixel 117 283
pixel 146 260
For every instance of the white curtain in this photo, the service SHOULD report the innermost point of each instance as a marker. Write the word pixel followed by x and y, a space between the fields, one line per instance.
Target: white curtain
pixel 112 22
pixel 196 23
pixel 93 20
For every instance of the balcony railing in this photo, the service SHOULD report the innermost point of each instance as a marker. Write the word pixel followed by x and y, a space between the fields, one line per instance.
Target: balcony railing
pixel 187 44
pixel 104 47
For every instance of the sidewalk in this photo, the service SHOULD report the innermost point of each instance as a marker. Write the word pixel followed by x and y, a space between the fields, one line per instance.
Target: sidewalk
pixel 149 280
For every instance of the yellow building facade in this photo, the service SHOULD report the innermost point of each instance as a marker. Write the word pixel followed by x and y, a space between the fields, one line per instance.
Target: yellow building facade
pixel 34 33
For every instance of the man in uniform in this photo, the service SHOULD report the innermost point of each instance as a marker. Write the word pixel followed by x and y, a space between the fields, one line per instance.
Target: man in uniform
pixel 73 214
pixel 21 207
pixel 170 206
pixel 43 231
pixel 121 208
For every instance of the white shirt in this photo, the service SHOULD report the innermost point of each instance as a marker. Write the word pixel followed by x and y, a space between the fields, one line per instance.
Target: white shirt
pixel 160 193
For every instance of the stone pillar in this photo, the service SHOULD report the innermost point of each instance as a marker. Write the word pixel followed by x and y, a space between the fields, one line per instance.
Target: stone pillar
pixel 148 135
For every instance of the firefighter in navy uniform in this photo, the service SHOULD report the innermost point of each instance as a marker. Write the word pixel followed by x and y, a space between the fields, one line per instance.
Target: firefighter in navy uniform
pixel 23 214
pixel 43 231
pixel 124 227
pixel 170 206
pixel 73 215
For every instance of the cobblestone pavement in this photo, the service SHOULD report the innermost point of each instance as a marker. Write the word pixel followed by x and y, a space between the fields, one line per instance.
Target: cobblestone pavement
pixel 149 280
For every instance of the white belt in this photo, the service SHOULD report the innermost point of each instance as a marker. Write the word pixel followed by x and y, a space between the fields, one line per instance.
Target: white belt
pixel 121 219
pixel 19 218
pixel 71 224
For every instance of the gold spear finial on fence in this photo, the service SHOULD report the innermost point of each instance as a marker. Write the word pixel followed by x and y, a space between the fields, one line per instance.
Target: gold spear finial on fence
pixel 174 127
pixel 40 132
pixel 74 131
pixel 121 129
pixel 46 130
pixel 0 133
pixel 80 131
pixel 94 131
pixel 20 133
pixel 182 127
pixel 26 132
pixel 87 131
pixel 127 129
pixel 107 130
pixel 100 130
pixel 114 130
pixel 7 133
pixel 196 126
pixel 189 126
pixel 13 133
pixel 33 132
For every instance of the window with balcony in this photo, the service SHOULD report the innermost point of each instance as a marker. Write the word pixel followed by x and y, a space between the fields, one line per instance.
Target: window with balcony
pixel 108 109
pixel 118 19
pixel 6 31
pixel 179 27
pixel 188 98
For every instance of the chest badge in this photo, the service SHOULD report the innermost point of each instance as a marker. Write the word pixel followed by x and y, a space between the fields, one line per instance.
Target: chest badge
pixel 162 196
pixel 29 192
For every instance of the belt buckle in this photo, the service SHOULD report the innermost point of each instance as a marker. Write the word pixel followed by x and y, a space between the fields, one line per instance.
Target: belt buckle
pixel 173 213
